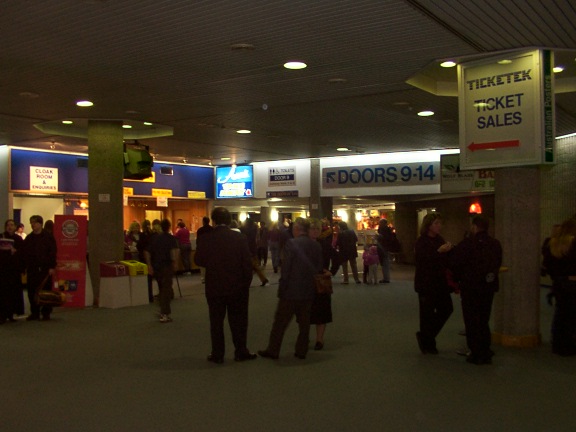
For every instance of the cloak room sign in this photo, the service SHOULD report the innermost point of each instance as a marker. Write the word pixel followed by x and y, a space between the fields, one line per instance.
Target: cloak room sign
pixel 43 179
pixel 506 110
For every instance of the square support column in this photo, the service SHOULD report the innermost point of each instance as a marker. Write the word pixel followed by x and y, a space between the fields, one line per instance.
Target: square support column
pixel 105 194
pixel 517 209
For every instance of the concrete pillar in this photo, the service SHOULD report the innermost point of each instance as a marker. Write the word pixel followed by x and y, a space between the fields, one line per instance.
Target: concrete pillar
pixel 517 226
pixel 319 207
pixel 5 199
pixel 105 181
pixel 265 215
pixel 314 200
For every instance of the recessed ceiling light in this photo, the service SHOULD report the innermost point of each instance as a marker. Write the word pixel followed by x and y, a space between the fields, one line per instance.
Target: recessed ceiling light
pixel 242 46
pixel 148 124
pixel 343 149
pixel 127 126
pixel 557 69
pixel 29 95
pixel 426 113
pixel 67 122
pixel 295 65
pixel 243 131
pixel 504 62
pixel 448 64
pixel 225 159
pixel 84 103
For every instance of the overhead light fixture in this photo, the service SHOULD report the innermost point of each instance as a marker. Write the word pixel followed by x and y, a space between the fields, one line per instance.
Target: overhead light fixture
pixel 294 65
pixel 343 149
pixel 67 122
pixel 557 69
pixel 566 136
pixel 127 126
pixel 84 103
pixel 28 95
pixel 426 113
pixel 225 159
pixel 242 47
pixel 448 64
pixel 243 131
pixel 475 208
pixel 148 124
pixel 504 62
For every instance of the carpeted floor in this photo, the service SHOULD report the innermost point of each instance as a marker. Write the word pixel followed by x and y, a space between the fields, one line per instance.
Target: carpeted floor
pixel 121 370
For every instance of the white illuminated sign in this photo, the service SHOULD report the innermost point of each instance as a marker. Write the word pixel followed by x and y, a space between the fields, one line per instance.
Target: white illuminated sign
pixel 43 179
pixel 506 111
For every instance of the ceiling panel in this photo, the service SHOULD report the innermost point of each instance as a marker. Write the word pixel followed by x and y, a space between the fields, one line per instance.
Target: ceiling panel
pixel 171 62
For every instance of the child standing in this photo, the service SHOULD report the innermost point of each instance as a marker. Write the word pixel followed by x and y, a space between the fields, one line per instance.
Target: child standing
pixel 371 260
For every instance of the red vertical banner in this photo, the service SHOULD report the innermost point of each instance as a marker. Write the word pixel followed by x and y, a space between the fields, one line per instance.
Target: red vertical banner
pixel 71 238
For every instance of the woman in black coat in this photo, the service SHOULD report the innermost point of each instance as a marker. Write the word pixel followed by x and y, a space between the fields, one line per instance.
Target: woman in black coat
pixel 11 293
pixel 430 282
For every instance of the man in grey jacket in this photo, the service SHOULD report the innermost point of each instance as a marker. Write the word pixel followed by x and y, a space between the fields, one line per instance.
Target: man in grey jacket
pixel 302 260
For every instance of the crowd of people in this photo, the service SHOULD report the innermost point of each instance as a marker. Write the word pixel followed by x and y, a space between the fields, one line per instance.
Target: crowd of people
pixel 300 251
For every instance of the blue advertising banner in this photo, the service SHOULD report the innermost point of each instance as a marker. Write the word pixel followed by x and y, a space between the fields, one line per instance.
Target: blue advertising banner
pixel 37 171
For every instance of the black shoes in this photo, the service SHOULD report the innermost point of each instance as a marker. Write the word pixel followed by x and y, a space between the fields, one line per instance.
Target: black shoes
pixel 245 356
pixel 383 281
pixel 267 354
pixel 300 356
pixel 423 349
pixel 214 359
pixel 318 346
pixel 266 282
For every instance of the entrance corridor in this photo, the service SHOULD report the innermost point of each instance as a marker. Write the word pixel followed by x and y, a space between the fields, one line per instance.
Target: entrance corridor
pixel 121 370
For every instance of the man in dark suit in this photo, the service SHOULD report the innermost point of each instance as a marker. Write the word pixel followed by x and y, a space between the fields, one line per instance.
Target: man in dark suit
pixel 476 262
pixel 226 256
pixel 302 260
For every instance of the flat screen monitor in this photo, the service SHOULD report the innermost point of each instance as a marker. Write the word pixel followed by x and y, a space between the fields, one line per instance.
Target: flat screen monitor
pixel 234 181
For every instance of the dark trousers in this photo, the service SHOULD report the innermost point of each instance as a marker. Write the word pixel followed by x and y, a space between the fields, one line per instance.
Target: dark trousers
pixel 185 251
pixel 34 279
pixel 285 310
pixel 476 308
pixel 262 252
pixel 564 321
pixel 435 309
pixel 164 277
pixel 11 295
pixel 237 307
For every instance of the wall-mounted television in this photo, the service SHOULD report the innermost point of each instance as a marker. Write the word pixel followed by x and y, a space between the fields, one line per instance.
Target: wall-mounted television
pixel 234 181
pixel 138 162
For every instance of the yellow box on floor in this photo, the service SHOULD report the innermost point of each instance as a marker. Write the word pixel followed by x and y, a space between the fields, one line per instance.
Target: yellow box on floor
pixel 135 268
pixel 138 276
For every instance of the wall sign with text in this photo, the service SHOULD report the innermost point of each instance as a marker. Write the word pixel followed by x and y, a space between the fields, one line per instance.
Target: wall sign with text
pixel 506 110
pixel 408 174
pixel 234 181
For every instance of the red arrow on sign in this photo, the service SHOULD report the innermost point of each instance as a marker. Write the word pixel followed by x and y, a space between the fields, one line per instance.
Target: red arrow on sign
pixel 493 145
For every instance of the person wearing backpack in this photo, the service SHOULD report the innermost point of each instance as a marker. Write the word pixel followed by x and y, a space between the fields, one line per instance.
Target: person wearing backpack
pixel 475 262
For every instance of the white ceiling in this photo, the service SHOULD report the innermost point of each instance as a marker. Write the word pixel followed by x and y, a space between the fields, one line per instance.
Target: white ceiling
pixel 171 62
